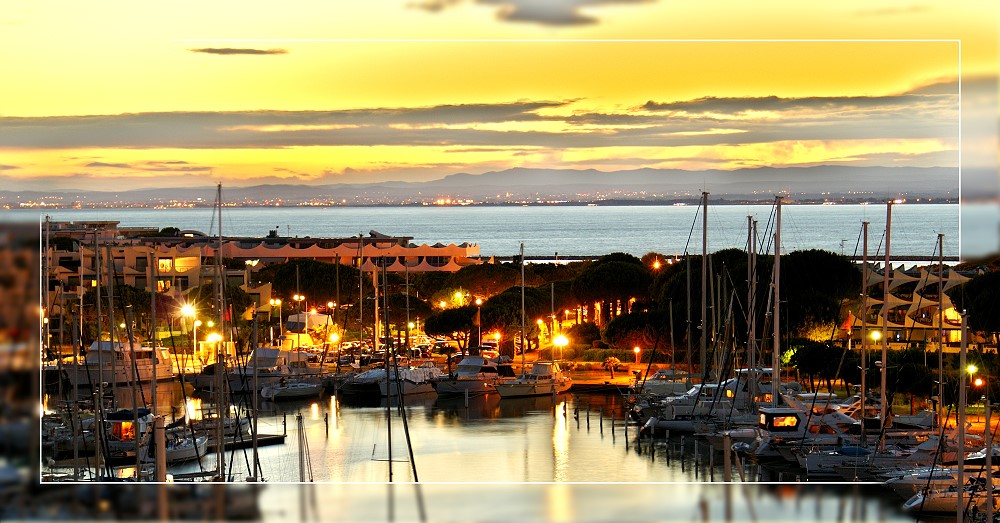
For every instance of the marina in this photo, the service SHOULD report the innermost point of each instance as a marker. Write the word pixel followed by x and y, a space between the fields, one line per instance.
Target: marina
pixel 315 399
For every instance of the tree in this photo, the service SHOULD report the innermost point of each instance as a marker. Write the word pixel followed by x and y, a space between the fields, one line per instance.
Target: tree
pixel 649 330
pixel 484 280
pixel 502 313
pixel 610 363
pixel 455 324
pixel 317 280
pixel 814 283
pixel 611 283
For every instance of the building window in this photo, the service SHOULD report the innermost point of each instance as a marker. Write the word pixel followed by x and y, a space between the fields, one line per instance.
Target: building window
pixel 165 265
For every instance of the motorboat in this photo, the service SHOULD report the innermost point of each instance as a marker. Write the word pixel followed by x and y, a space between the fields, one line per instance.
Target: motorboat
pixel 545 378
pixel 291 390
pixel 411 380
pixel 119 363
pixel 665 382
pixel 475 375
pixel 178 448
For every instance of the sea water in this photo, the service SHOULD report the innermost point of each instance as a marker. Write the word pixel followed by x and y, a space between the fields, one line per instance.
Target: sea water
pixel 567 230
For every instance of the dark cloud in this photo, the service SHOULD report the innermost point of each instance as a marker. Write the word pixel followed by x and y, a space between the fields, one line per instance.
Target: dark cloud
pixel 8 167
pixel 231 50
pixel 434 6
pixel 109 165
pixel 176 166
pixel 929 111
pixel 737 105
pixel 544 12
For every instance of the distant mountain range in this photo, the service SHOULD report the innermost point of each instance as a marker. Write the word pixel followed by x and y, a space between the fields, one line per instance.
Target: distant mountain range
pixel 524 184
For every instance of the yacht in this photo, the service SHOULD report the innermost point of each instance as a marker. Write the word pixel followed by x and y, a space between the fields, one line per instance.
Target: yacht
pixel 545 378
pixel 475 374
pixel 119 363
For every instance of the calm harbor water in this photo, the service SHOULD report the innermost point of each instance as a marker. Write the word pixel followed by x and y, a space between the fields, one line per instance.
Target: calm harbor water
pixel 521 459
pixel 567 230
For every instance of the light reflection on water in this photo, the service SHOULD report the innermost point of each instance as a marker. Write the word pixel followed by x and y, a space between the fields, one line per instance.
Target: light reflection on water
pixel 527 459
pixel 576 502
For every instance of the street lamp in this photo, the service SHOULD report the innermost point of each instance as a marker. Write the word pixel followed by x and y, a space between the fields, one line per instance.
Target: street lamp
pixel 876 335
pixel 636 351
pixel 443 304
pixel 299 298
pixel 479 319
pixel 197 323
pixel 560 342
pixel 273 302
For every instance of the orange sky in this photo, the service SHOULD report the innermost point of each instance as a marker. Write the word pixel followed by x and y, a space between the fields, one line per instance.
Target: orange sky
pixel 122 95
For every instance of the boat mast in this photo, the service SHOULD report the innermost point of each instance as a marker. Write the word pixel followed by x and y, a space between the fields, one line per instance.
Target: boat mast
pixel 885 310
pixel 99 400
pixel 112 334
pixel 963 352
pixel 220 446
pixel 864 322
pixel 687 310
pixel 940 328
pixel 776 363
pixel 704 285
pixel 751 304
pixel 523 341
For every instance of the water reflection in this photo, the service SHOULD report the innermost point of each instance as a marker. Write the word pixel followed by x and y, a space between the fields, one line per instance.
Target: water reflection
pixel 537 459
pixel 559 502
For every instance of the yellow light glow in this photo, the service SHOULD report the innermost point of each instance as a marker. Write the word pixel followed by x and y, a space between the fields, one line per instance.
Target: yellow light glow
pixel 197 323
pixel 972 369
pixel 334 337
pixel 214 337
pixel 561 341
pixel 187 310
pixel 876 335
pixel 443 304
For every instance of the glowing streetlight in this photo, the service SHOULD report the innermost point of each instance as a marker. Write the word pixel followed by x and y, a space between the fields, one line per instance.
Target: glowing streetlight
pixel 196 324
pixel 273 302
pixel 334 337
pixel 876 335
pixel 479 319
pixel 560 342
pixel 443 304
pixel 188 310
pixel 636 350
pixel 299 298
pixel 656 264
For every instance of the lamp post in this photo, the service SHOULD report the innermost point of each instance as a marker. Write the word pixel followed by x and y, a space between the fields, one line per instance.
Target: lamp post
pixel 196 324
pixel 560 342
pixel 479 319
pixel 299 298
pixel 273 302
pixel 637 350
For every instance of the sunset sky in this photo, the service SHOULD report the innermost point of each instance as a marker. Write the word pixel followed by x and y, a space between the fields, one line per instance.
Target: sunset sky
pixel 122 94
